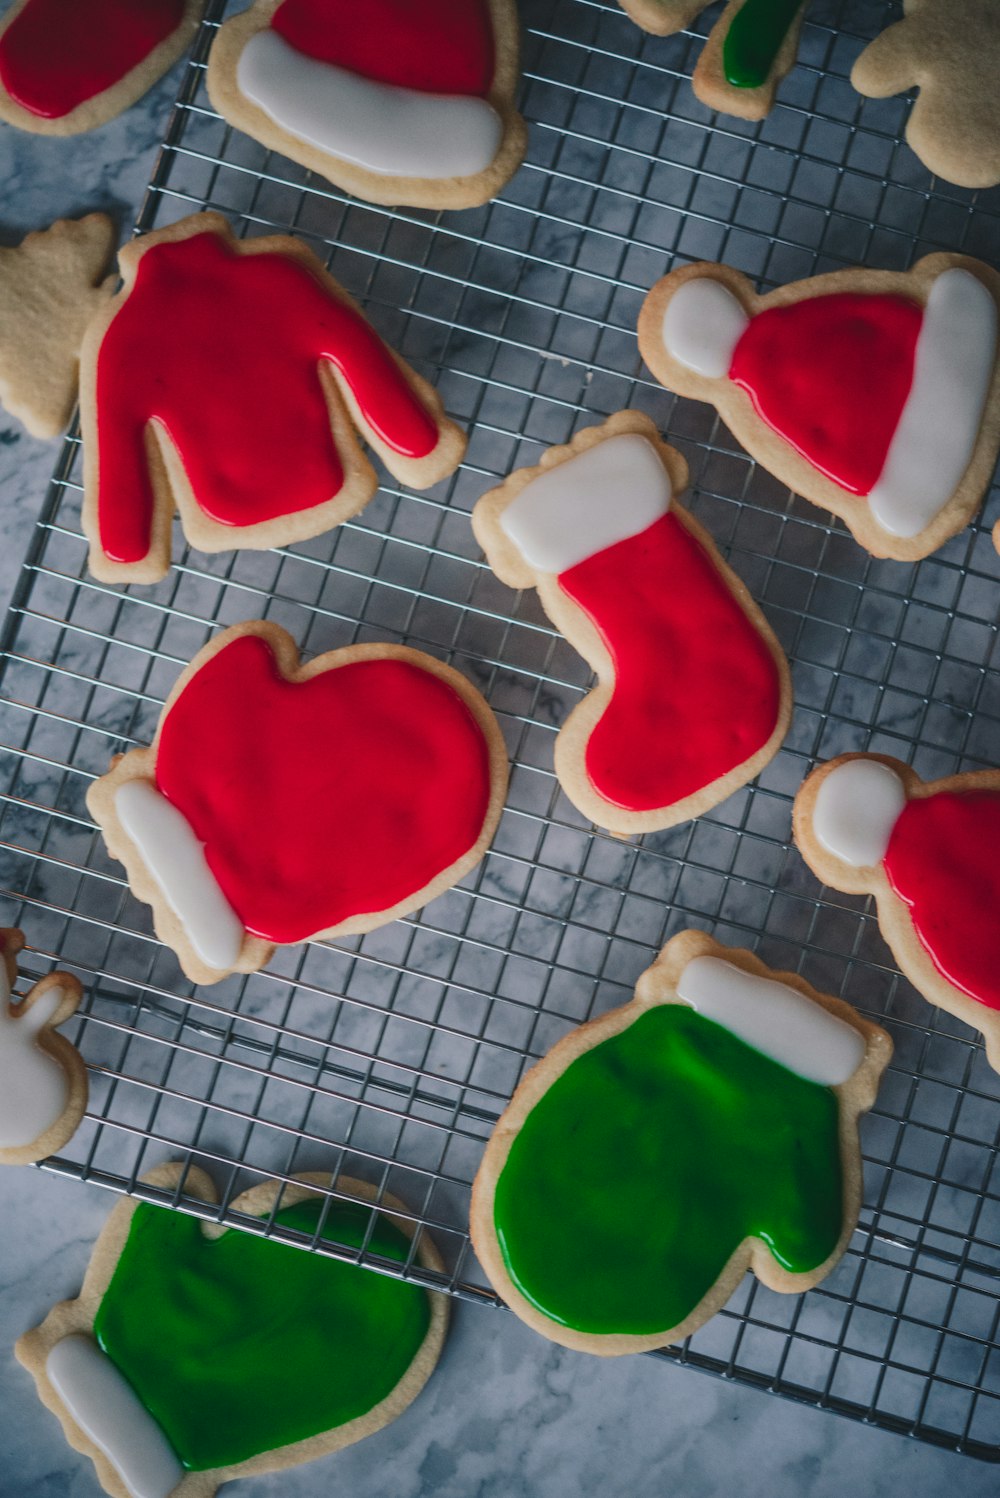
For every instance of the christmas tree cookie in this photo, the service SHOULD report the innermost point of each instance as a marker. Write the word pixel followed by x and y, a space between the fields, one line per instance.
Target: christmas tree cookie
pixel 70 65
pixel 949 50
pixel 226 380
pixel 750 48
pixel 875 394
pixel 281 802
pixel 397 101
pixel 657 1153
pixel 43 1081
pixel 195 1355
pixel 693 695
pixel 867 824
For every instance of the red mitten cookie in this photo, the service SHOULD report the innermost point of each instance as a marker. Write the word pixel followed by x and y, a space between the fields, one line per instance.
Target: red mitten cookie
pixel 43 1081
pixel 226 379
pixel 693 695
pixel 875 394
pixel 398 101
pixel 867 824
pixel 281 802
pixel 70 65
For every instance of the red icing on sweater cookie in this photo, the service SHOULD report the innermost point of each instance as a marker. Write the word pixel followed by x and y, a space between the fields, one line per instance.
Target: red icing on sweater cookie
pixel 57 54
pixel 438 46
pixel 325 799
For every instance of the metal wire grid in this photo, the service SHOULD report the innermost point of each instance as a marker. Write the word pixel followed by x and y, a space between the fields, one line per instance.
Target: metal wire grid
pixel 391 1056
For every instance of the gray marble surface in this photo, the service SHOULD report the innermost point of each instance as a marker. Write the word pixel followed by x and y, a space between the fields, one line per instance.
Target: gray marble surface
pixel 506 1414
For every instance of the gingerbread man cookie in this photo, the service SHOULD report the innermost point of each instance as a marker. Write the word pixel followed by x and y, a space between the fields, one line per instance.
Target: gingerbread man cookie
pixel 693 695
pixel 43 1081
pixel 751 47
pixel 226 379
pixel 875 394
pixel 281 802
pixel 949 50
pixel 657 1153
pixel 70 65
pixel 195 1355
pixel 867 824
pixel 397 101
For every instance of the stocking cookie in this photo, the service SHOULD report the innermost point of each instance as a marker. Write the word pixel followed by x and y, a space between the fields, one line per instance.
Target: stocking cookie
pixel 866 824
pixel 195 1355
pixel 397 101
pixel 281 802
pixel 70 65
pixel 875 394
pixel 750 48
pixel 43 1081
pixel 51 286
pixel 226 379
pixel 949 52
pixel 693 694
pixel 657 1153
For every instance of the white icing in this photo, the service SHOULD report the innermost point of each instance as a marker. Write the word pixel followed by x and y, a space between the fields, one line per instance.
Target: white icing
pixel 176 859
pixel 775 1019
pixel 856 809
pixel 385 129
pixel 702 325
pixel 614 490
pixel 34 1089
pixel 937 432
pixel 107 1409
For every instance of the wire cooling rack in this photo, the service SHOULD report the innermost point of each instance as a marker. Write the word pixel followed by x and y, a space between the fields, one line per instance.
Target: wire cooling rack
pixel 391 1056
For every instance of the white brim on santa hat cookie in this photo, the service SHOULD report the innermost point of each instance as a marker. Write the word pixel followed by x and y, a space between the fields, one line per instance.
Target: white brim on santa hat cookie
pixel 857 806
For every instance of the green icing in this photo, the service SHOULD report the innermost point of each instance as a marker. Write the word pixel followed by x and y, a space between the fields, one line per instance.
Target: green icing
pixel 650 1159
pixel 754 40
pixel 238 1344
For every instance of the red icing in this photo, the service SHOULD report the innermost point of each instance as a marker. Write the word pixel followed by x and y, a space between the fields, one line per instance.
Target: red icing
pixel 223 350
pixel 330 798
pixel 696 691
pixel 57 54
pixel 831 375
pixel 942 860
pixel 437 46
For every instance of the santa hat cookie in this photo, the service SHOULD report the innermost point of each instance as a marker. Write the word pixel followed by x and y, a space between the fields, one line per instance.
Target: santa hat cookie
pixel 875 394
pixel 693 694
pixel 71 65
pixel 196 1355
pixel 659 1152
pixel 281 802
pixel 397 101
pixel 867 824
pixel 226 379
pixel 750 48
pixel 43 1081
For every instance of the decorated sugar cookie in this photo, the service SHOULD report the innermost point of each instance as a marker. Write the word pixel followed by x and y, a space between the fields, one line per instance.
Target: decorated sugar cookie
pixel 70 65
pixel 51 286
pixel 949 50
pixel 693 694
pixel 226 379
pixel 397 101
pixel 750 48
pixel 657 1153
pixel 281 802
pixel 867 824
pixel 194 1355
pixel 875 394
pixel 43 1081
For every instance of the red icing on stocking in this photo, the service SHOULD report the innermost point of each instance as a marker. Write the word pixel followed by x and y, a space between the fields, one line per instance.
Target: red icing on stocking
pixel 831 374
pixel 696 691
pixel 942 861
pixel 223 349
pixel 325 799
pixel 436 46
pixel 57 54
